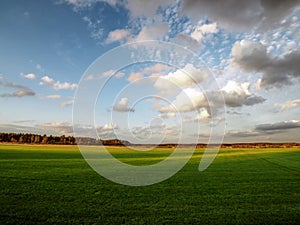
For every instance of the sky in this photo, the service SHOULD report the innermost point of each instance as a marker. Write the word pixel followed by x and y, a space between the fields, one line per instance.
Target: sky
pixel 182 71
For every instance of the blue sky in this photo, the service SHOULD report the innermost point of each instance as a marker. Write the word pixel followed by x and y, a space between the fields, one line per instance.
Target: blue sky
pixel 241 81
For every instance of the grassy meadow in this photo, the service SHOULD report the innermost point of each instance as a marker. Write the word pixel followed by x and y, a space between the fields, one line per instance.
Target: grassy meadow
pixel 54 185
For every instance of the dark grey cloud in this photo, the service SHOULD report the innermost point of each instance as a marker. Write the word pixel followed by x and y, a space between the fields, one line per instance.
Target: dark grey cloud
pixel 241 14
pixel 265 130
pixel 24 121
pixel 278 126
pixel 254 99
pixel 237 113
pixel 20 92
pixel 276 71
pixel 281 71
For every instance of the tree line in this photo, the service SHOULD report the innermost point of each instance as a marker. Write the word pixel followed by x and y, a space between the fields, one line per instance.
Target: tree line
pixel 25 138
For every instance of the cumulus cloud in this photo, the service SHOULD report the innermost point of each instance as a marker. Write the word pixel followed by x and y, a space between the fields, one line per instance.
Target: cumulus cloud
pixel 122 106
pixel 202 115
pixel 57 85
pixel 240 14
pixel 29 76
pixel 233 94
pixel 237 94
pixel 189 76
pixel 250 55
pixel 276 71
pixel 109 126
pixel 21 91
pixel 290 104
pixel 189 99
pixel 285 125
pixel 204 29
pixel 118 35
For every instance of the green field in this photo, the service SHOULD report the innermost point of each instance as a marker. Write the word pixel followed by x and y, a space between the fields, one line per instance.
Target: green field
pixel 54 185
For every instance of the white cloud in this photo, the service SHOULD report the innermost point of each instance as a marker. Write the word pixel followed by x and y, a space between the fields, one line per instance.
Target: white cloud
pixel 133 77
pixel 109 126
pixel 47 80
pixel 122 106
pixel 202 115
pixel 204 29
pixel 235 94
pixel 189 99
pixel 56 85
pixel 189 76
pixel 120 35
pixel 29 76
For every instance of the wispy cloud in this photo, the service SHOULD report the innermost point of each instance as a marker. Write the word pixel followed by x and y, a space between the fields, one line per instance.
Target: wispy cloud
pixel 67 103
pixel 290 104
pixel 53 96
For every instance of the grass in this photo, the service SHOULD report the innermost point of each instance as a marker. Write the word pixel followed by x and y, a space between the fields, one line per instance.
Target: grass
pixel 54 185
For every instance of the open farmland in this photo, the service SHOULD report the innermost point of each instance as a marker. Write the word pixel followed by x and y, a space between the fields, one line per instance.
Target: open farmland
pixel 54 185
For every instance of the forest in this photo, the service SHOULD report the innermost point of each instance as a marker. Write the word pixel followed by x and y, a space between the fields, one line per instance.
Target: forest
pixel 25 138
